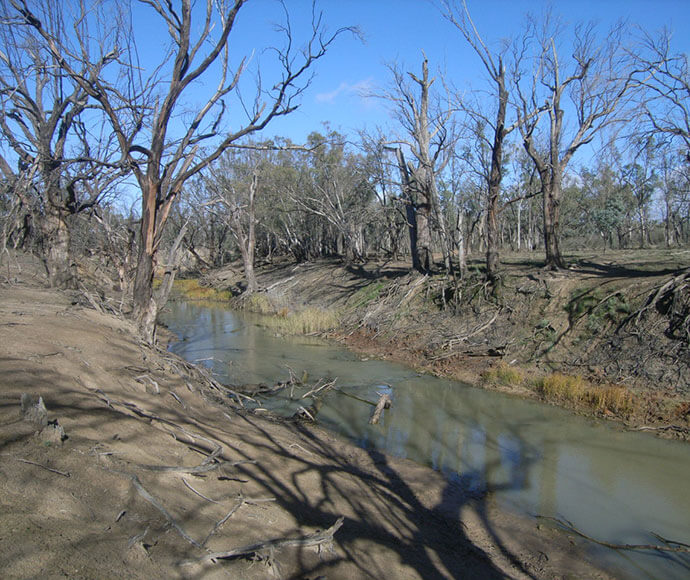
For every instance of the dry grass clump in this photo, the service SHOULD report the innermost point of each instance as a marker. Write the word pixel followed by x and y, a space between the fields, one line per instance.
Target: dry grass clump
pixel 307 321
pixel 575 389
pixel 560 387
pixel 505 374
pixel 192 290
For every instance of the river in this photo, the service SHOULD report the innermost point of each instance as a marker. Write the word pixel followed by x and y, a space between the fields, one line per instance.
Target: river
pixel 614 485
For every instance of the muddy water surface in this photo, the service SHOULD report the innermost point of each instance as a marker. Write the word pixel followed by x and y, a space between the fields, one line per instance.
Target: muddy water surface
pixel 614 485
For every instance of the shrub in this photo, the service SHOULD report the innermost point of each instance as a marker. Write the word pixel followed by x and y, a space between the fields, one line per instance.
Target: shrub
pixel 599 310
pixel 558 386
pixel 259 303
pixel 366 294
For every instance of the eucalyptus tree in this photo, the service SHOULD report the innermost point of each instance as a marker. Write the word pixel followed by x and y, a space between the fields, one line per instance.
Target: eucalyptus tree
pixel 675 186
pixel 234 183
pixel 339 191
pixel 585 87
pixel 604 200
pixel 389 217
pixel 172 121
pixel 641 178
pixel 665 75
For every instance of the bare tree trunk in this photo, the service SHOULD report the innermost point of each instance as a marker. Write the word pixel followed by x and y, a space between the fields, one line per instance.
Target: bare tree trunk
pixel 407 186
pixel 552 203
pixel 668 222
pixel 57 257
pixel 171 268
pixel 424 241
pixel 144 307
pixel 460 230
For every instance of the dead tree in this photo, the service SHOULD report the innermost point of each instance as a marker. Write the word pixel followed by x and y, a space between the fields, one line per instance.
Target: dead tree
pixel 42 119
pixel 429 139
pixel 598 83
pixel 665 77
pixel 164 156
pixel 460 17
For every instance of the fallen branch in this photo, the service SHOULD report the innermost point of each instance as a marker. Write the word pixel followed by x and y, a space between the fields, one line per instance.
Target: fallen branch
pixel 319 388
pixel 355 397
pixel 385 402
pixel 660 428
pixel 315 539
pixel 669 545
pixel 155 503
pixel 205 467
pixel 201 495
pixel 450 345
pixel 63 473
pixel 217 526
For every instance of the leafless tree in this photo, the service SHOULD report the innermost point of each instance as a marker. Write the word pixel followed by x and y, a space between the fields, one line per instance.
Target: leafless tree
pixel 583 94
pixel 46 122
pixel 666 77
pixel 429 138
pixel 142 111
pixel 459 16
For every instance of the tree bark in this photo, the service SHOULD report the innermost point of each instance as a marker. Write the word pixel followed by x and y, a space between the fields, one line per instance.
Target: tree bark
pixel 552 202
pixel 57 257
pixel 144 308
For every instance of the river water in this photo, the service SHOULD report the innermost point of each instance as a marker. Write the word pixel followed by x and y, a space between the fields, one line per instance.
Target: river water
pixel 614 485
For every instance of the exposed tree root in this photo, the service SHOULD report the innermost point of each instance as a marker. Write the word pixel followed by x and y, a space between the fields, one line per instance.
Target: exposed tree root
pixel 261 549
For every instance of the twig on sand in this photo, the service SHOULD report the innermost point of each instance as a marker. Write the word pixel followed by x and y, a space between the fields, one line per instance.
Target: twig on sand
pixel 155 503
pixel 201 495
pixel 205 467
pixel 63 473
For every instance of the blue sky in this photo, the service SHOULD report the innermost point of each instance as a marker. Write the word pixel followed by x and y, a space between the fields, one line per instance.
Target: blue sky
pixel 398 31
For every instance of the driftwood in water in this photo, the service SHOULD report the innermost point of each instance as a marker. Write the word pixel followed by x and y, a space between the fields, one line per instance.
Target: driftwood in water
pixel 666 546
pixel 385 402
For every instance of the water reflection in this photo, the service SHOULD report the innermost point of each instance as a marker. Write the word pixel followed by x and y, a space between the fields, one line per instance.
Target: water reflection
pixel 616 486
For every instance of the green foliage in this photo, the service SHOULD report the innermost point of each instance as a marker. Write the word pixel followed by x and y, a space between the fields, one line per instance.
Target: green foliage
pixel 366 294
pixel 598 309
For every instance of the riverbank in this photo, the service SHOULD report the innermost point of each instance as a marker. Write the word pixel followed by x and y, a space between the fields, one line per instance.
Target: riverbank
pixel 136 466
pixel 581 338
